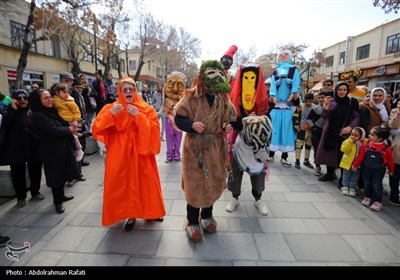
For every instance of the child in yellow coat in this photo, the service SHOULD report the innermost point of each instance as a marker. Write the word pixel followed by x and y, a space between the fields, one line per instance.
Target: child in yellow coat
pixel 350 148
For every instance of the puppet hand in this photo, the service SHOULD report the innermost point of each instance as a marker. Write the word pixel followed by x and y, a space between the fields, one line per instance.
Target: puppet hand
pixel 116 108
pixel 132 110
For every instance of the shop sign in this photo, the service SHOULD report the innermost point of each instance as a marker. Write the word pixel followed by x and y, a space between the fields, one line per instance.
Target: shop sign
pixel 346 75
pixel 381 69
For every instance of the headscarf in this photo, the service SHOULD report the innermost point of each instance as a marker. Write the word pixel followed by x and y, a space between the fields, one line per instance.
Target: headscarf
pixel 381 106
pixel 17 92
pixel 37 107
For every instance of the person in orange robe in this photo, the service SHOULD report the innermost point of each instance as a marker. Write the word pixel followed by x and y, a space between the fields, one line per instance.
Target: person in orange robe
pixel 130 130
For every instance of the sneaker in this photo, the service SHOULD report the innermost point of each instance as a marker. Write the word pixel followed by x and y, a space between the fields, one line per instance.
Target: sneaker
pixel 376 206
pixel 177 159
pixel 261 207
pixel 308 164
pixel 270 159
pixel 4 240
pixel 352 192
pixel 345 191
pixel 366 201
pixel 85 163
pixel 297 165
pixel 194 232
pixel 327 177
pixel 79 155
pixel 38 196
pixel 232 205
pixel 394 201
pixel 168 160
pixel 21 203
pixel 209 225
pixel 285 162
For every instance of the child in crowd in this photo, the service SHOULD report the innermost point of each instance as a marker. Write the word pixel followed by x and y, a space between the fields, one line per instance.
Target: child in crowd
pixel 68 111
pixel 374 156
pixel 303 129
pixel 350 148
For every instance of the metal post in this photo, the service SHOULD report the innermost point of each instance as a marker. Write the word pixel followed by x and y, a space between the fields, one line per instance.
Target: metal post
pixel 308 76
pixel 95 41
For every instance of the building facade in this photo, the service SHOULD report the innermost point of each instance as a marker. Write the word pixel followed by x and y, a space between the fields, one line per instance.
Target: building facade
pixel 372 56
pixel 46 59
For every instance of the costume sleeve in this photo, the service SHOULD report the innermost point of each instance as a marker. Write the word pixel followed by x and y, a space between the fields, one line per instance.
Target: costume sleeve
pixel 296 81
pixel 359 159
pixel 272 89
pixel 149 133
pixel 184 124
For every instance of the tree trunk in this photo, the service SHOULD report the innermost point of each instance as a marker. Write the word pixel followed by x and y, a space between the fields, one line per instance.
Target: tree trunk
pixel 23 59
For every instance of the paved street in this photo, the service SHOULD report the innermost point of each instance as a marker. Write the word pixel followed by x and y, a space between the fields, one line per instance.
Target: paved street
pixel 310 223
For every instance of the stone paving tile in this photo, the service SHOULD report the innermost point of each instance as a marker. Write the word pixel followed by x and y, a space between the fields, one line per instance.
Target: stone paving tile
pixel 175 245
pixel 68 239
pixel 391 242
pixel 325 248
pixel 136 242
pixel 331 210
pixel 273 247
pixel 314 226
pixel 282 225
pixel 92 240
pixel 46 258
pixel 251 224
pixel 276 187
pixel 371 249
pixel 346 226
pixel 94 206
pixel 294 210
pixel 276 196
pixel 305 197
pixel 135 261
pixel 77 259
pixel 185 262
pixel 225 246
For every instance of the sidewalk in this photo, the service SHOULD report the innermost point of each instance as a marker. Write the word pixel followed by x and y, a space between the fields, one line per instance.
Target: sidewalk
pixel 310 223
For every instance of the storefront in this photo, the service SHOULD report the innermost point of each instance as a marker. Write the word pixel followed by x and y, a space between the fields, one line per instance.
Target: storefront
pixel 29 78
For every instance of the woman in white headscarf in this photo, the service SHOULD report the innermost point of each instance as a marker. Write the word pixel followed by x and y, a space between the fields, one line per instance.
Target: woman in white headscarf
pixel 376 112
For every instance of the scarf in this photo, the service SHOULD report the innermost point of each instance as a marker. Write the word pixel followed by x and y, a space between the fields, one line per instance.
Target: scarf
pixel 381 106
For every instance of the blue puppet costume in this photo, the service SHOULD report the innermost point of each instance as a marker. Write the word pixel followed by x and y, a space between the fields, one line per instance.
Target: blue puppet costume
pixel 285 83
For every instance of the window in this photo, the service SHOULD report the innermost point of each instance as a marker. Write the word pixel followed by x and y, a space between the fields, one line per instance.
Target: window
pixel 329 61
pixel 362 52
pixel 393 44
pixel 55 48
pixel 132 65
pixel 17 36
pixel 87 55
pixel 342 59
pixel 113 61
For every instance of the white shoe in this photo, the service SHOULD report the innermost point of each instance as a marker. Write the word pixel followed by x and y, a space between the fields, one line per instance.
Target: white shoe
pixel 285 163
pixel 352 192
pixel 270 159
pixel 261 207
pixel 232 205
pixel 345 191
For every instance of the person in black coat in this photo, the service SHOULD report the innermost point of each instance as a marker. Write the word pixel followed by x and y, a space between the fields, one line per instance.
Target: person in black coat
pixel 56 146
pixel 21 146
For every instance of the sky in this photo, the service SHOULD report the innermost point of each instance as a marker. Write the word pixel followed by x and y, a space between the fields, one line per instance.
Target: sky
pixel 264 24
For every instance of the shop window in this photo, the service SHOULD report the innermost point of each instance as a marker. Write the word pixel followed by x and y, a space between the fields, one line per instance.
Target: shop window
pixel 132 64
pixel 362 52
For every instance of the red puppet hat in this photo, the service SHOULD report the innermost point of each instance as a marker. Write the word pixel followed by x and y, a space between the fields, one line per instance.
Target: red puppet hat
pixel 231 51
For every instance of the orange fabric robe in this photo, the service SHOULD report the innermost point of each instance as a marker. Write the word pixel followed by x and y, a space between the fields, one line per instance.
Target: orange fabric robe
pixel 132 187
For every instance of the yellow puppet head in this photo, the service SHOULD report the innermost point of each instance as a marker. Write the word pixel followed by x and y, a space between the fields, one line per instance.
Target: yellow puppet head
pixel 249 86
pixel 175 85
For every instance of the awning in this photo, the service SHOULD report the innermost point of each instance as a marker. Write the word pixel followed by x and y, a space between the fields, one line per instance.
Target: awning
pixel 317 86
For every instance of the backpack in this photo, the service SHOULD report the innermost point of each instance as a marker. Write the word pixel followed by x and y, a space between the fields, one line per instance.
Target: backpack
pixel 288 77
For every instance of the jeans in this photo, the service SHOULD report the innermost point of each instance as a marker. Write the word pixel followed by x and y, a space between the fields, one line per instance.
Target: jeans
pixel 394 181
pixel 350 178
pixel 372 178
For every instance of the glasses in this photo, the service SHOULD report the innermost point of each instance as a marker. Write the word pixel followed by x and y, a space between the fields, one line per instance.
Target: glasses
pixel 47 97
pixel 125 90
pixel 20 98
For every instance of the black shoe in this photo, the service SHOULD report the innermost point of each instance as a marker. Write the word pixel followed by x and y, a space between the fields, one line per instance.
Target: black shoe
pixel 60 208
pixel 85 163
pixel 130 223
pixel 308 164
pixel 297 165
pixel 158 220
pixel 326 177
pixel 67 197
pixel 4 240
pixel 70 183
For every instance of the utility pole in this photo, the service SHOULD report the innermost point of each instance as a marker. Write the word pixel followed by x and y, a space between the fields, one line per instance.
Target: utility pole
pixel 95 41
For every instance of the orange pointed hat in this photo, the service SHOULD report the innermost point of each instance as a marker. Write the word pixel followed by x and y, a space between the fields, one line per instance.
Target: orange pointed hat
pixel 231 51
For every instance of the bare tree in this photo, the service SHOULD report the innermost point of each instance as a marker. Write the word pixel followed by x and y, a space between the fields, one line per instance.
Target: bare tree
pixel 388 5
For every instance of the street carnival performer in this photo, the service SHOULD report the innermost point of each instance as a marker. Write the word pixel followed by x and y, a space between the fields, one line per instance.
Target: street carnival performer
pixel 130 130
pixel 250 99
pixel 203 112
